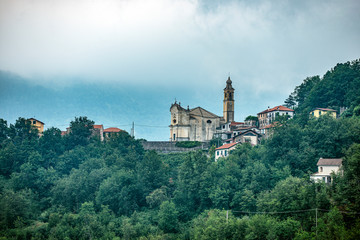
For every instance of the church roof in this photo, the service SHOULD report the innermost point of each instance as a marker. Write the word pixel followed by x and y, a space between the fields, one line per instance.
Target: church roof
pixel 199 111
pixel 228 85
pixel 178 106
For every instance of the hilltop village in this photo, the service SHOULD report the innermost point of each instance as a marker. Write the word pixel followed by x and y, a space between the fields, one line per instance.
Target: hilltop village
pixel 198 129
pixel 289 172
pixel 200 126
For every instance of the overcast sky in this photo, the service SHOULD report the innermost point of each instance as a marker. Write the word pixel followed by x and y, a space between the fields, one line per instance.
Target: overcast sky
pixel 268 47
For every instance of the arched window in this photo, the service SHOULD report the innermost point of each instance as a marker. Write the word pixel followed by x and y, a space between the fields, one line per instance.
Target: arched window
pixel 208 121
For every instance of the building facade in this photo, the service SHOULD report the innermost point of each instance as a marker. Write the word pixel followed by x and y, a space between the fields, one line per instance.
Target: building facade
pixel 326 167
pixel 195 124
pixel 37 124
pixel 198 124
pixel 317 112
pixel 269 115
pixel 224 150
pixel 112 131
pixel 249 136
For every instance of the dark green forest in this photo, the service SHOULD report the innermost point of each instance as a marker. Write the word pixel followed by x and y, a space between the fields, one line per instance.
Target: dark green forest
pixel 77 187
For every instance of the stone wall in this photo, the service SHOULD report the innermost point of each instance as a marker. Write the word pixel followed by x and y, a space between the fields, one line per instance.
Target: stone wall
pixel 169 147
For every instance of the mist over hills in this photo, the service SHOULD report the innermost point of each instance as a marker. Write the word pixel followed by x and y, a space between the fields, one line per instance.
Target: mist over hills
pixel 110 105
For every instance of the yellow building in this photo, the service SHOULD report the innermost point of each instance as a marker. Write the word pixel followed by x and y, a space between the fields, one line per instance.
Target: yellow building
pixel 38 124
pixel 317 112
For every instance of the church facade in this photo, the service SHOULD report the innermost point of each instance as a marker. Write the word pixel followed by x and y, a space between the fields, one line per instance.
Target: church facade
pixel 198 124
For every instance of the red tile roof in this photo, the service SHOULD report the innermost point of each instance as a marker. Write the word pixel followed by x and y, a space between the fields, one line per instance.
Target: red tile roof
pixel 277 108
pixel 226 146
pixel 63 133
pixel 272 125
pixel 113 129
pixel 236 123
pixel 98 126
pixel 329 162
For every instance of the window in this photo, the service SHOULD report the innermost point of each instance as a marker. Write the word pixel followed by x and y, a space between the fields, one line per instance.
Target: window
pixel 328 180
pixel 217 153
pixel 174 136
pixel 321 169
pixel 225 153
pixel 319 112
pixel 208 121
pixel 174 121
pixel 34 122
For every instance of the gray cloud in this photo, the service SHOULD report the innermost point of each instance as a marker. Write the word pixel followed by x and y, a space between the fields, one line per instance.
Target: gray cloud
pixel 267 46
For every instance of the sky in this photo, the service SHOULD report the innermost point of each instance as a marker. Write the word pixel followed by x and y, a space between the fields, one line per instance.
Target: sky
pixel 183 49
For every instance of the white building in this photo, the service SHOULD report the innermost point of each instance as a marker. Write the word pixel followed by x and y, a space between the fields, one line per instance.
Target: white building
pixel 269 115
pixel 326 166
pixel 249 136
pixel 224 150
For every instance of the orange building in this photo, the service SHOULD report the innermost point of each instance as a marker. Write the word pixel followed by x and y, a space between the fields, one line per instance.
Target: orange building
pixel 38 124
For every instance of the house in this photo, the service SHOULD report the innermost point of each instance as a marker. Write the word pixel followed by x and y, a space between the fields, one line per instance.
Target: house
pixel 317 112
pixel 224 150
pixel 198 124
pixel 249 136
pixel 267 130
pixel 269 115
pixel 228 130
pixel 38 124
pixel 108 132
pixel 98 130
pixel 327 166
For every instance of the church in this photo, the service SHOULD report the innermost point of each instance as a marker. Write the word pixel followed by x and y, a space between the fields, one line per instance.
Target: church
pixel 198 124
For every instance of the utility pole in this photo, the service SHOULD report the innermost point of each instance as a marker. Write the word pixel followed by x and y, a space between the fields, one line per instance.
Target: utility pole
pixel 132 130
pixel 227 216
pixel 316 217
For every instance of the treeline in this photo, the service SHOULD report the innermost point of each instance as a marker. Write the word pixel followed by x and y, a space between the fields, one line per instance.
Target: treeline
pixel 338 88
pixel 77 187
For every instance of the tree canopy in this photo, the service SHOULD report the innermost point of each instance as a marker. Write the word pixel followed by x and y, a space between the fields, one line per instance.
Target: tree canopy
pixel 77 187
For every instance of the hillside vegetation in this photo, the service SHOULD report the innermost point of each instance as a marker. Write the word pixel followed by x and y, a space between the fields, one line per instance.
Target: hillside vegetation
pixel 77 187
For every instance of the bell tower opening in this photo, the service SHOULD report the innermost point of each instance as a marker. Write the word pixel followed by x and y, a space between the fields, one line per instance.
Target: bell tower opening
pixel 229 101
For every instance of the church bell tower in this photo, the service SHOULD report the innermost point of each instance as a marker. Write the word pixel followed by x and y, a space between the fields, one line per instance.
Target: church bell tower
pixel 229 101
